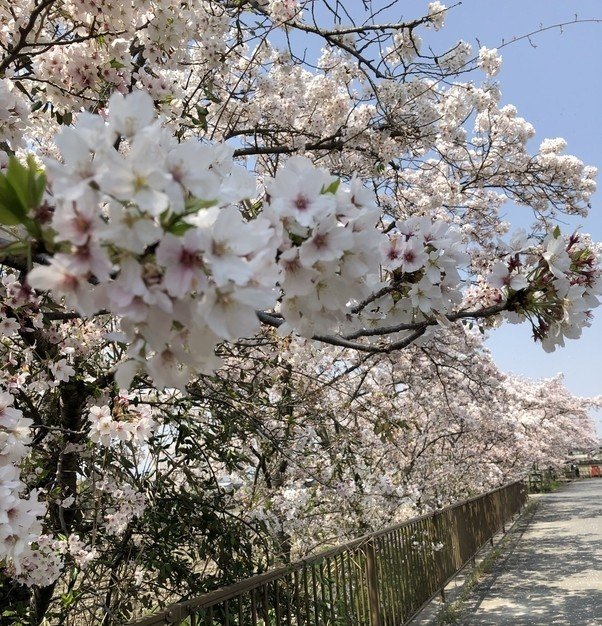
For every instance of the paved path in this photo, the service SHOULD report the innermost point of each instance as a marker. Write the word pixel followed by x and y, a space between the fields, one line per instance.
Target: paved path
pixel 553 571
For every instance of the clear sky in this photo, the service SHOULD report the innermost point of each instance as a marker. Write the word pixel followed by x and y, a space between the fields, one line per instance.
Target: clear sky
pixel 555 81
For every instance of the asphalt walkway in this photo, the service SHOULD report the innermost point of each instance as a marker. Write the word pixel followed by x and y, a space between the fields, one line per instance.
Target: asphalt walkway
pixel 552 573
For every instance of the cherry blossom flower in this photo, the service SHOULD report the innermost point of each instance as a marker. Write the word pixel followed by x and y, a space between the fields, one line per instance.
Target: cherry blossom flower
pixel 501 277
pixel 489 61
pixel 130 115
pixel 297 192
pixel 61 370
pixel 556 256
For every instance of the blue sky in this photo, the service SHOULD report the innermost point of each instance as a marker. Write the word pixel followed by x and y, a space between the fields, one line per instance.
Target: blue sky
pixel 555 81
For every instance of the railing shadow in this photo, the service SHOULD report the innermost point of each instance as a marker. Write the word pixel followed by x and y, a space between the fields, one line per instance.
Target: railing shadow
pixel 551 573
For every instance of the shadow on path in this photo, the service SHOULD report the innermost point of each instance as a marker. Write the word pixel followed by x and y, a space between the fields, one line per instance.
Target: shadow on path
pixel 552 570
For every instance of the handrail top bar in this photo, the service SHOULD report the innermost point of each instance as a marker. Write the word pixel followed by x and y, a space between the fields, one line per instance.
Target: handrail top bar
pixel 181 609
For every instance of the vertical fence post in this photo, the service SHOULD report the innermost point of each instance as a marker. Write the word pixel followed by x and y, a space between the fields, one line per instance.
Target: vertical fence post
pixel 372 579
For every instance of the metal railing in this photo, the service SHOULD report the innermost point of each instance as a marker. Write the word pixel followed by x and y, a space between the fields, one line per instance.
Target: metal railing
pixel 381 579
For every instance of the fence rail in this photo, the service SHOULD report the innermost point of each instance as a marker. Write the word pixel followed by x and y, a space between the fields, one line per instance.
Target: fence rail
pixel 381 579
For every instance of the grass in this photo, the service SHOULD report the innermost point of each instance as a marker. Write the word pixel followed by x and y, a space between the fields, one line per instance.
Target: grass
pixel 452 611
pixel 552 486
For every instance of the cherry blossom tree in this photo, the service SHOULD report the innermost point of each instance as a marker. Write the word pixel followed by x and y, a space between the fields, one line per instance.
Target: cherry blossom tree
pixel 208 237
pixel 286 449
pixel 352 446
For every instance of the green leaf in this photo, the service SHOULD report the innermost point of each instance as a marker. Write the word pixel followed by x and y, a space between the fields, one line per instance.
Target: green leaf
pixel 7 217
pixel 332 188
pixel 39 186
pixel 63 118
pixel 201 119
pixel 201 123
pixel 17 176
pixel 15 248
pixel 28 182
pixel 179 228
pixel 556 232
pixel 11 211
pixel 196 204
pixel 36 183
pixel 67 599
pixel 21 190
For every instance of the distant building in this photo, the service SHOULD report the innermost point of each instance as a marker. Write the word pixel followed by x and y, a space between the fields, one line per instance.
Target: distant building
pixel 588 463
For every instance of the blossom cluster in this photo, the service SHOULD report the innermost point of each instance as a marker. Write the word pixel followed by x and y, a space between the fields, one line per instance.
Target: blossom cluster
pixel 555 286
pixel 13 116
pixel 457 58
pixel 490 61
pixel 424 258
pixel 84 67
pixel 328 253
pixel 134 423
pixel 20 513
pixel 127 505
pixel 170 253
pixel 436 14
pixel 282 11
pixel 43 563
